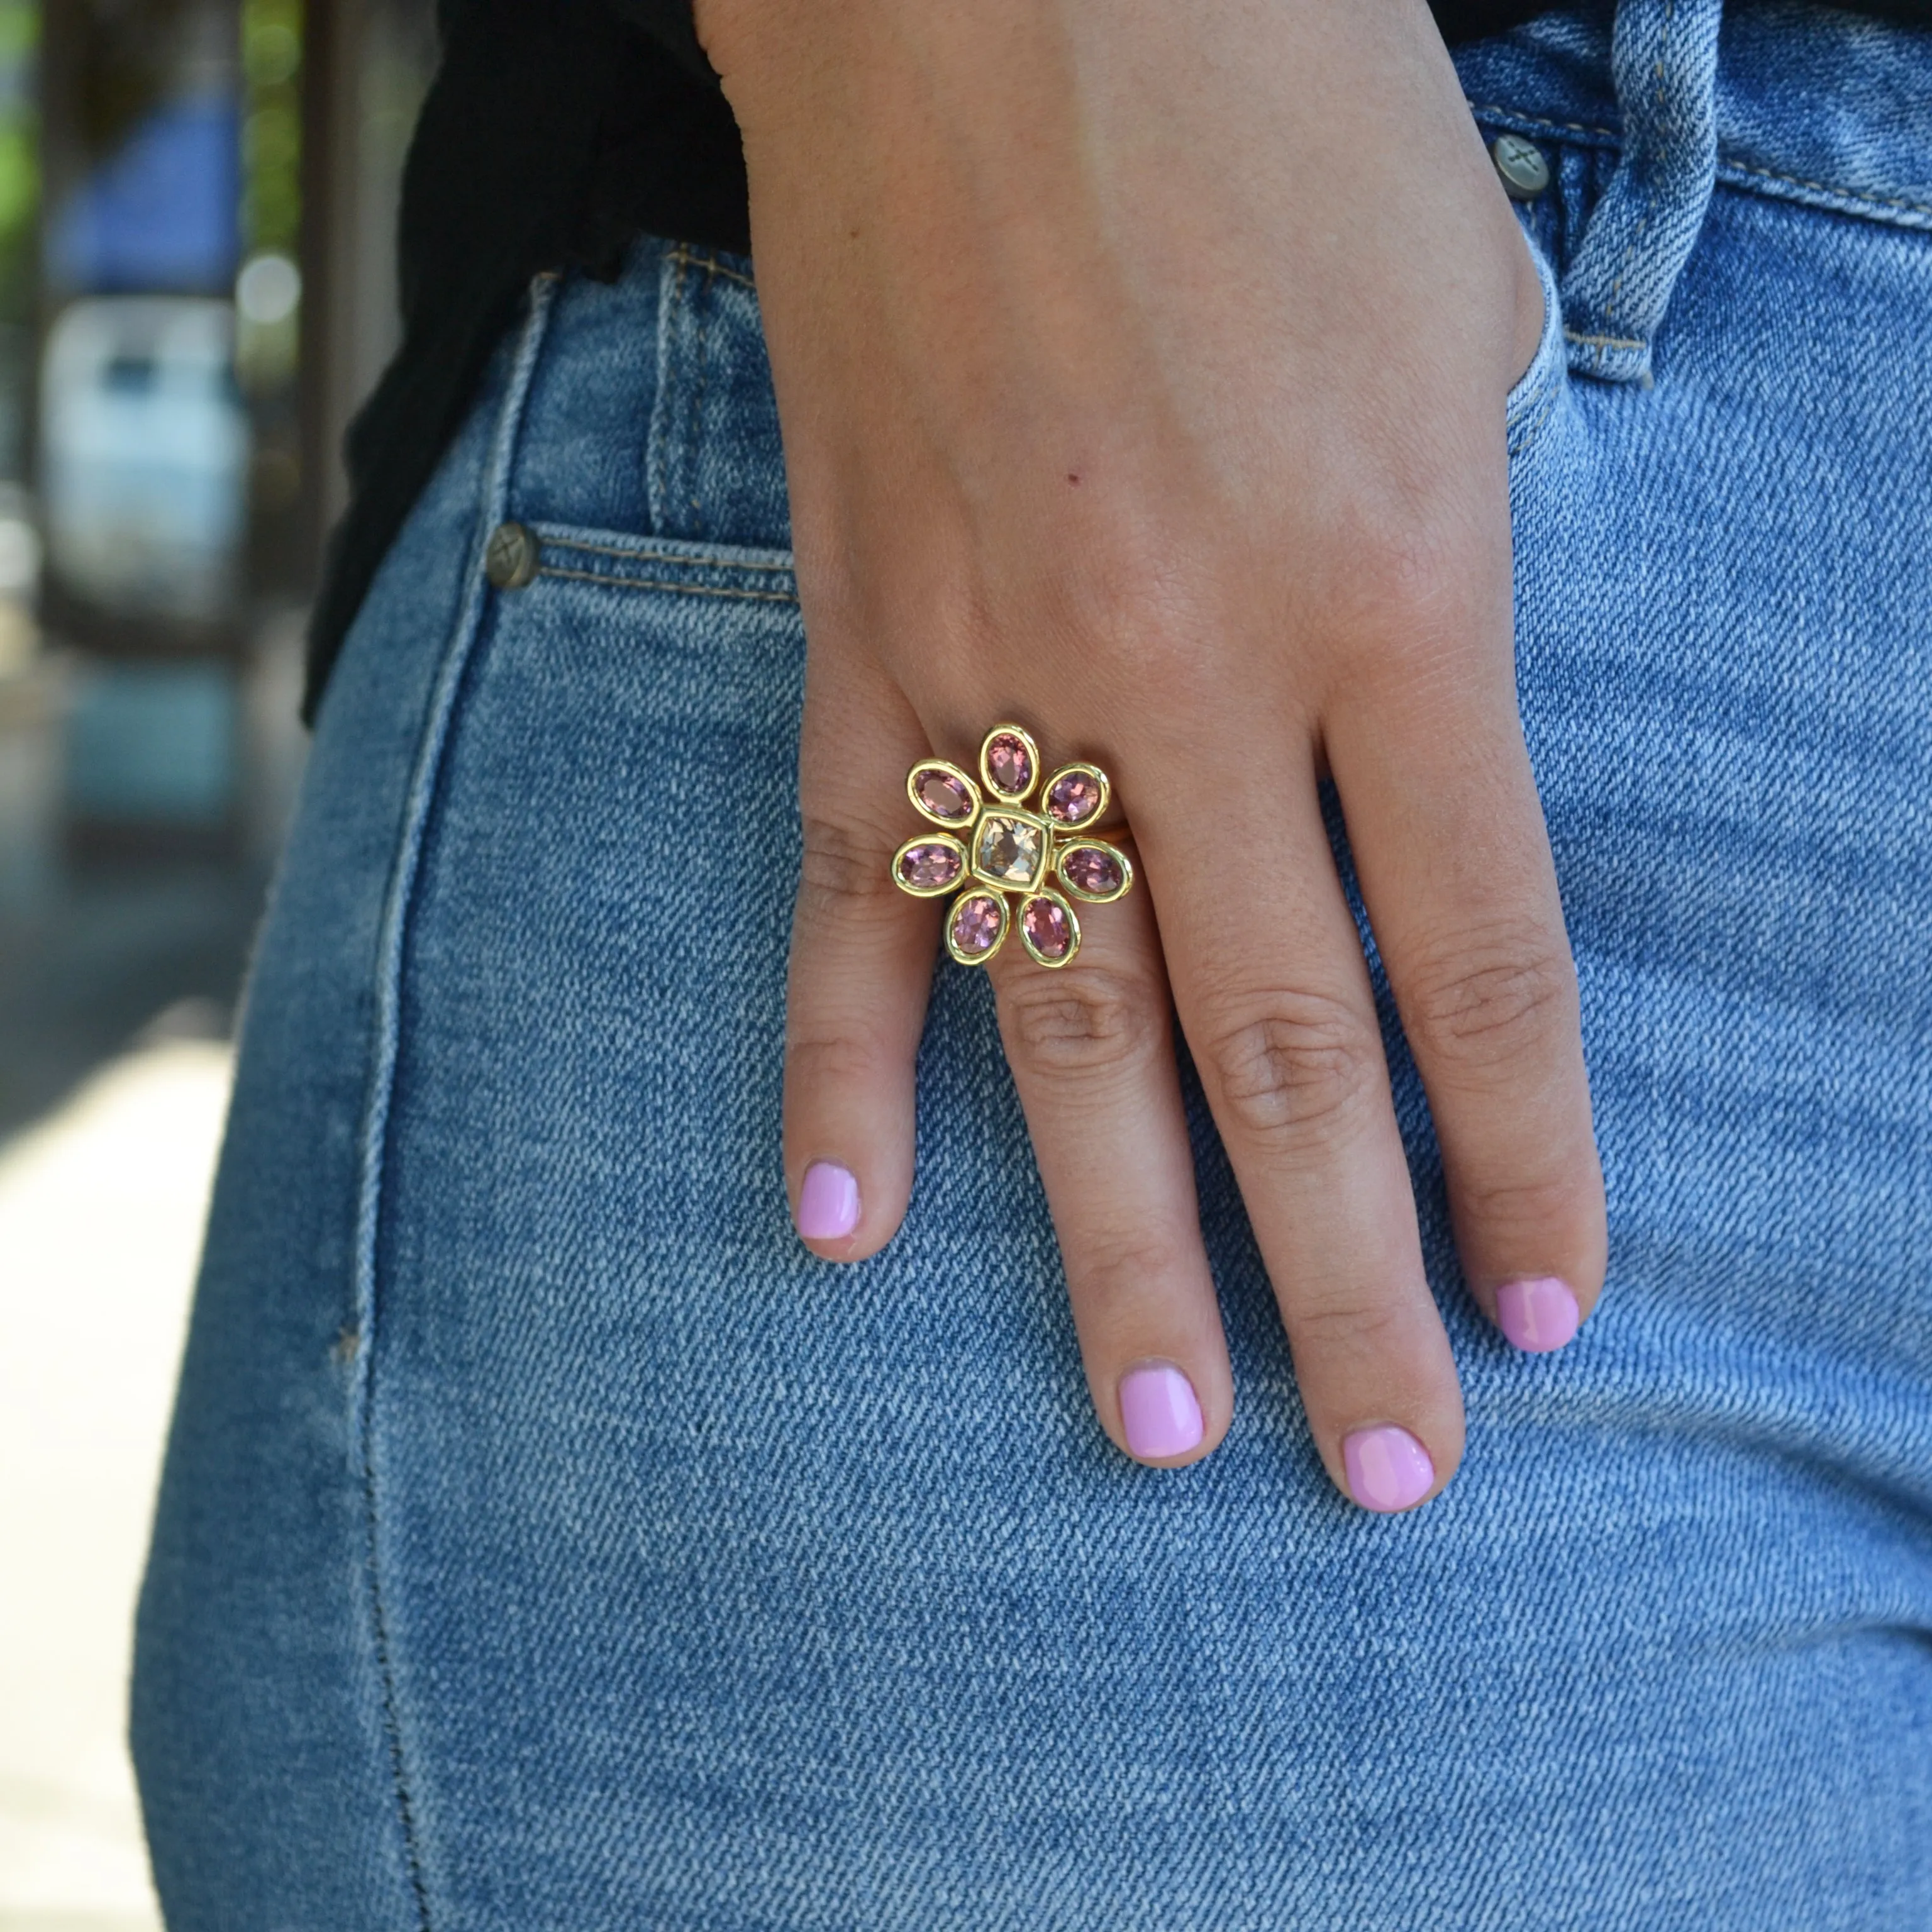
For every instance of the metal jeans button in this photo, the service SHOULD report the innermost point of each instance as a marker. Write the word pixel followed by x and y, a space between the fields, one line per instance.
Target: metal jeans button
pixel 510 557
pixel 1520 163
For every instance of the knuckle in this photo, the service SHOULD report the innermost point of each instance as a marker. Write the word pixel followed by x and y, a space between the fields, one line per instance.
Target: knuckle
pixel 1486 1003
pixel 828 1054
pixel 1135 607
pixel 1114 1269
pixel 1417 593
pixel 1349 1329
pixel 844 872
pixel 1506 1207
pixel 1291 1067
pixel 1166 645
pixel 1424 576
pixel 1091 1021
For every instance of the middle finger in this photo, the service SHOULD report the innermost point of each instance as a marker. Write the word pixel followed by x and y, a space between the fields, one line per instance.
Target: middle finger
pixel 1091 1046
pixel 1274 997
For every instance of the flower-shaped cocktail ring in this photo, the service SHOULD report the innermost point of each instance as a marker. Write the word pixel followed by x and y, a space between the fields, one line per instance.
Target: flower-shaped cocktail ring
pixel 1004 853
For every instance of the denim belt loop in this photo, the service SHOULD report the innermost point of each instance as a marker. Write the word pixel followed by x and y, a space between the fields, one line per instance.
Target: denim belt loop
pixel 1664 59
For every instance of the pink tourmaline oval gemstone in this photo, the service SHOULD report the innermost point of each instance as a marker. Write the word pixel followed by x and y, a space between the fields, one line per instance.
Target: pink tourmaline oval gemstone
pixel 1008 764
pixel 976 923
pixel 1048 927
pixel 929 867
pixel 1089 869
pixel 943 795
pixel 1073 798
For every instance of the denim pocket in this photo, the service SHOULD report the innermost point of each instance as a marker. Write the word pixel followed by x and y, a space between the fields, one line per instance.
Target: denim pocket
pixel 743 573
pixel 1541 384
pixel 715 463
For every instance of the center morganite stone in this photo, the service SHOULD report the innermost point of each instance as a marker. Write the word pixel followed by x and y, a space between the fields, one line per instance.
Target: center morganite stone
pixel 1091 868
pixel 1073 798
pixel 1009 850
pixel 1048 928
pixel 976 923
pixel 930 868
pixel 1008 765
pixel 944 796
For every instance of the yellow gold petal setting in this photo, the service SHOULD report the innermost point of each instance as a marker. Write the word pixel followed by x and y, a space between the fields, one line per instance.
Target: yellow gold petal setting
pixel 995 851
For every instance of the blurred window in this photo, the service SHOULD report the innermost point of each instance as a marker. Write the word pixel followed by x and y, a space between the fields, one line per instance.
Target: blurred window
pixel 144 454
pixel 154 742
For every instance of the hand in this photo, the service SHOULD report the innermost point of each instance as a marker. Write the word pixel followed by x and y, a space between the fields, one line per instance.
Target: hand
pixel 1142 371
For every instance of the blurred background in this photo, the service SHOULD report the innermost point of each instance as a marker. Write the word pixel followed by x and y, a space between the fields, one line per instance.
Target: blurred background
pixel 197 203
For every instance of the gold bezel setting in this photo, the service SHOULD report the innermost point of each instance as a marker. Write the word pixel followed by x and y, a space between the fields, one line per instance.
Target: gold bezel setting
pixel 973 801
pixel 1057 841
pixel 1081 768
pixel 1073 919
pixel 952 912
pixel 918 892
pixel 992 816
pixel 986 778
pixel 1065 849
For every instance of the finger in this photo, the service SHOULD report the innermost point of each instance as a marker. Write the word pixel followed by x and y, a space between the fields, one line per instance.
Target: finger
pixel 1455 868
pixel 862 956
pixel 1274 997
pixel 1091 1047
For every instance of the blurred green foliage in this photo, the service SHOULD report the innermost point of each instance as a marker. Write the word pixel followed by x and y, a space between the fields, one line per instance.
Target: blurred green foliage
pixel 20 155
pixel 272 125
pixel 266 350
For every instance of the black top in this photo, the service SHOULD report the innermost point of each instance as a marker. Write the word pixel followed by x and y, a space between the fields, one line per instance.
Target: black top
pixel 555 131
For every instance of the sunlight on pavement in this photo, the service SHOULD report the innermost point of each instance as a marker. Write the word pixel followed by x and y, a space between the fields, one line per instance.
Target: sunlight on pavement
pixel 100 1212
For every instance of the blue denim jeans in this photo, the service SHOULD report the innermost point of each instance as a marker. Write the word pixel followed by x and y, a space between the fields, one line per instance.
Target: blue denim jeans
pixel 546 1541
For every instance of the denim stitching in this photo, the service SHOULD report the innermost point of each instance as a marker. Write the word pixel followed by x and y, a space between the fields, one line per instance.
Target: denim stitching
pixel 684 589
pixel 712 266
pixel 1826 187
pixel 392 1734
pixel 1534 393
pixel 493 504
pixel 662 453
pixel 1493 111
pixel 1603 341
pixel 1522 438
pixel 657 556
pixel 698 405
pixel 1661 70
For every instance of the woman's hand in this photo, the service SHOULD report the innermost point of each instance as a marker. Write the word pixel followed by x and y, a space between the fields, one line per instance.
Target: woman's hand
pixel 1142 371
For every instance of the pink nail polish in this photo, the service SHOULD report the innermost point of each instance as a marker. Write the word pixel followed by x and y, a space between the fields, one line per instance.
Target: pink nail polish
pixel 828 1202
pixel 1537 1315
pixel 1388 1468
pixel 1159 1411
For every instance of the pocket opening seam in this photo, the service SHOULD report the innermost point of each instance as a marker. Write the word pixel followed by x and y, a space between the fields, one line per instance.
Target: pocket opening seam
pixel 635 554
pixel 657 584
pixel 1731 172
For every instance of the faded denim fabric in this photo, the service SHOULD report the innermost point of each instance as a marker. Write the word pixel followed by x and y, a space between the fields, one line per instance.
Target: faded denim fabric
pixel 1664 62
pixel 547 1541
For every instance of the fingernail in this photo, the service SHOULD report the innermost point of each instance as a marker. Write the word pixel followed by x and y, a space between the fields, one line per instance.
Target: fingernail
pixel 1538 1315
pixel 1159 1412
pixel 1388 1469
pixel 828 1202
